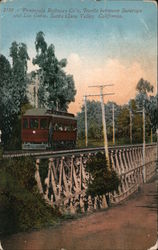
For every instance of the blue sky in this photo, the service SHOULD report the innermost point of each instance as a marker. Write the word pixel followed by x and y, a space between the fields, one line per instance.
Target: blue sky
pixel 89 44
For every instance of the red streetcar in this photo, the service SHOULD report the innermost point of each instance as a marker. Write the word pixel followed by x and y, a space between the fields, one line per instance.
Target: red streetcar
pixel 42 129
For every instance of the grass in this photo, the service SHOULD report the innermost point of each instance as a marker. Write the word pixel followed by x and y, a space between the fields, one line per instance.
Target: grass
pixel 100 143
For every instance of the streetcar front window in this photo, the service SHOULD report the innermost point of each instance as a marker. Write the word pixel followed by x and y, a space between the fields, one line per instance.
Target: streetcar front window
pixel 25 123
pixel 33 123
pixel 56 127
pixel 69 128
pixel 61 127
pixel 44 123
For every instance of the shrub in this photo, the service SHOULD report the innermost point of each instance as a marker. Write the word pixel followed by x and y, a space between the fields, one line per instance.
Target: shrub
pixel 21 205
pixel 102 179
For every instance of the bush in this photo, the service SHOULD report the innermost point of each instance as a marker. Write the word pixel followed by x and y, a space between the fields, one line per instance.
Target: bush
pixel 21 205
pixel 103 179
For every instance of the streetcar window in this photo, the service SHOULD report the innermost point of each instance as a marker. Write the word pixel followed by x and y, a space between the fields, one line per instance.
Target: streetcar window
pixel 56 127
pixel 65 128
pixel 33 123
pixel 25 123
pixel 73 128
pixel 43 123
pixel 69 128
pixel 60 127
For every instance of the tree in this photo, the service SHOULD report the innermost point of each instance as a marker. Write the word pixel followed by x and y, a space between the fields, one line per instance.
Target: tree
pixel 94 120
pixel 144 88
pixel 56 88
pixel 19 55
pixel 109 117
pixel 94 117
pixel 137 122
pixel 102 179
pixel 123 121
pixel 8 105
pixel 152 109
pixel 13 93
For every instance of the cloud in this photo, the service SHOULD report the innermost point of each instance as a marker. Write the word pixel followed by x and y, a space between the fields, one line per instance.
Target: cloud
pixel 74 58
pixel 74 64
pixel 122 75
pixel 124 79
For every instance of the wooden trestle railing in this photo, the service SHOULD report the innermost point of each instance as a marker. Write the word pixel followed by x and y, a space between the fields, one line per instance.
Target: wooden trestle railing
pixel 65 182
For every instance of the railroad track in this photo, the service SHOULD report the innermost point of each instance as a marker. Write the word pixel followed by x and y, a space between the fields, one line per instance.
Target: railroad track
pixel 46 153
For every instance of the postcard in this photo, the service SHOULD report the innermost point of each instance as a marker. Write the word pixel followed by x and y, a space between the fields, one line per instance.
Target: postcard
pixel 78 89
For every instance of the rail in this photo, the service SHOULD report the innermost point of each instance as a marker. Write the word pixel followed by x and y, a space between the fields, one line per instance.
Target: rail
pixel 47 154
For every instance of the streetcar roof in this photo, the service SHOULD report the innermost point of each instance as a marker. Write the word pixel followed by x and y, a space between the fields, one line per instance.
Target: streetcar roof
pixel 48 113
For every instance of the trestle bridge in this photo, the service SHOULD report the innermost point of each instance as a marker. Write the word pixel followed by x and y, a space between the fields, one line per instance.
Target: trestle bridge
pixel 65 181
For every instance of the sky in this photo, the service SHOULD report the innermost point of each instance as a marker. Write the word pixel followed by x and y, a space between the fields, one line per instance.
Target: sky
pixel 105 42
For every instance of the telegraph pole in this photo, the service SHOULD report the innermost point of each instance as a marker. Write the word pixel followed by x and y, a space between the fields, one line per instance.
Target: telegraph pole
pixel 113 122
pixel 36 90
pixel 104 125
pixel 130 115
pixel 86 125
pixel 103 118
pixel 144 169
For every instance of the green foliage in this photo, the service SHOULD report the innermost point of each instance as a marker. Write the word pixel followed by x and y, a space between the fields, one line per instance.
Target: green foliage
pixel 102 179
pixel 40 43
pixel 56 88
pixel 19 55
pixel 152 110
pixel 144 86
pixel 137 128
pixel 21 205
pixel 7 104
pixel 94 117
pixel 123 122
pixel 149 102
pixel 13 85
pixel 5 70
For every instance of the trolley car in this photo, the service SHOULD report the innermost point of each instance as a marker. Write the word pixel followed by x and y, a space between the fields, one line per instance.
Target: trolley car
pixel 45 129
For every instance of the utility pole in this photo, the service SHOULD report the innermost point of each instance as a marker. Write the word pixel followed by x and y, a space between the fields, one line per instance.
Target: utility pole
pixel 104 125
pixel 103 118
pixel 113 122
pixel 36 90
pixel 144 169
pixel 130 115
pixel 86 126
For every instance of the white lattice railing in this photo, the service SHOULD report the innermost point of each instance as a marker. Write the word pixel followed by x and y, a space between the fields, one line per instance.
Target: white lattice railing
pixel 64 183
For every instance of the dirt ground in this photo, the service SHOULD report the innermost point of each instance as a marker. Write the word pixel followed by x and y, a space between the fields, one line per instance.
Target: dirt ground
pixel 131 225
